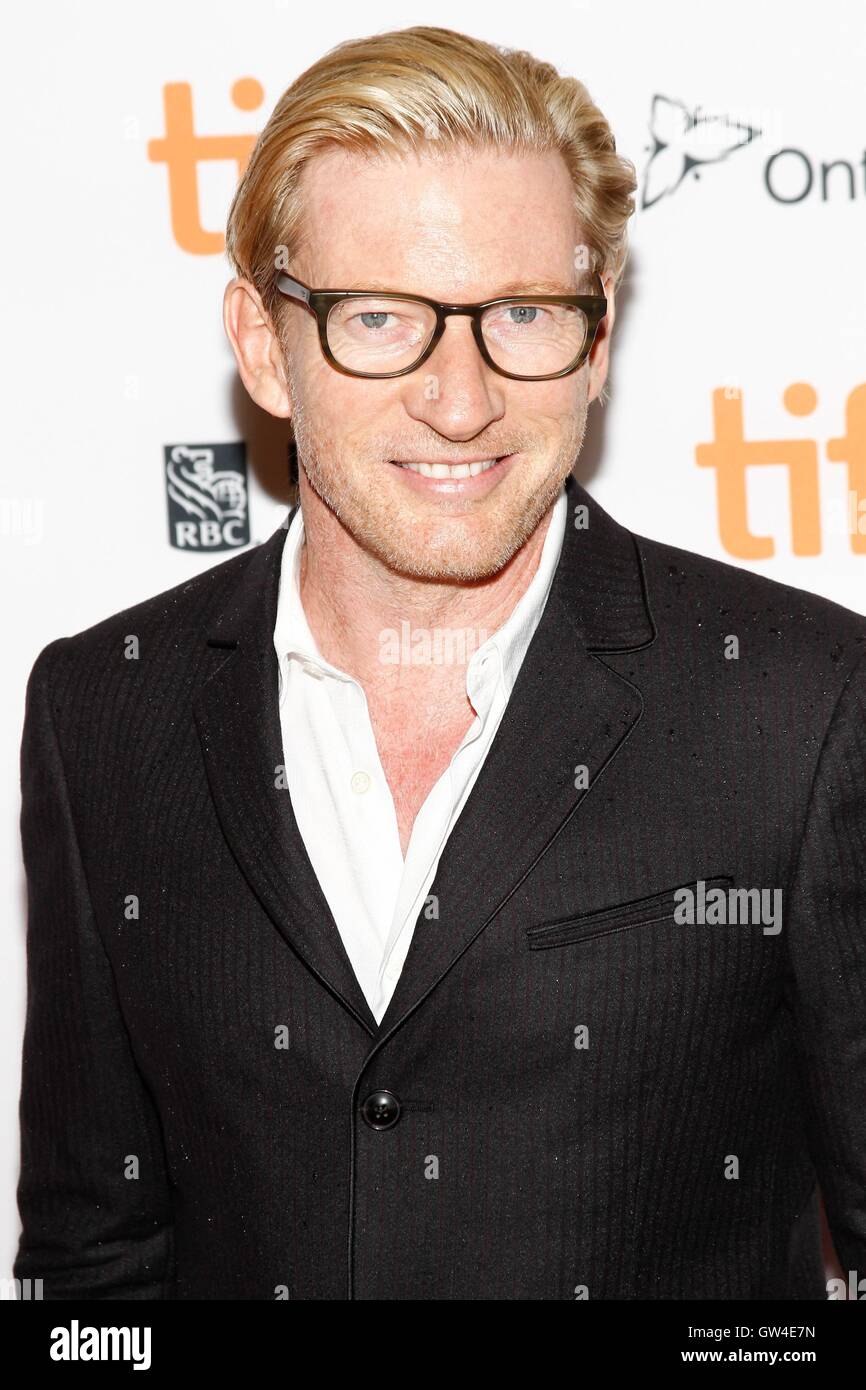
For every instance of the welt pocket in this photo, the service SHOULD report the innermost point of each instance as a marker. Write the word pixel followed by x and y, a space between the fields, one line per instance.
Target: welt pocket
pixel 639 912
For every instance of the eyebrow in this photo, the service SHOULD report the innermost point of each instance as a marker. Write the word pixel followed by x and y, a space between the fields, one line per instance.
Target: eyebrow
pixel 536 287
pixel 511 287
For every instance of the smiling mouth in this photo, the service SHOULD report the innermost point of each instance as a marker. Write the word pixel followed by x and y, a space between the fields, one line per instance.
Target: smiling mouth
pixel 449 470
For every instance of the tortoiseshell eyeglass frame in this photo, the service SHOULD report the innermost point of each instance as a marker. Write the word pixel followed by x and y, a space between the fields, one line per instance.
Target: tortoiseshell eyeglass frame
pixel 321 302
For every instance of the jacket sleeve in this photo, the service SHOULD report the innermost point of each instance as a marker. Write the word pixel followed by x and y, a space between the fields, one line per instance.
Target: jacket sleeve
pixel 90 1229
pixel 826 941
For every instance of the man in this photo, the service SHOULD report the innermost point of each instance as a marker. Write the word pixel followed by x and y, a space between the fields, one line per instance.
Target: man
pixel 457 896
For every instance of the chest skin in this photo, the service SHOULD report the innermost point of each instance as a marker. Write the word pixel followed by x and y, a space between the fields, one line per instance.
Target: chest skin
pixel 414 753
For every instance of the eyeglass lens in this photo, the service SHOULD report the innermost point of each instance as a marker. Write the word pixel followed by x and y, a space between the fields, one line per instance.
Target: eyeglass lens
pixel 389 335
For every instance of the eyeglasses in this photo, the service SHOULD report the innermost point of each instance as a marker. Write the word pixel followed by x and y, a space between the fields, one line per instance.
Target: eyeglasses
pixel 381 334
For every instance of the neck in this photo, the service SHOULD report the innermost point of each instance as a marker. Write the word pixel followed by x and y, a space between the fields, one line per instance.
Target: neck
pixel 351 598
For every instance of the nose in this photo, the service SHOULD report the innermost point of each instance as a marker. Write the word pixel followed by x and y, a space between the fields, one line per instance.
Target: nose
pixel 454 391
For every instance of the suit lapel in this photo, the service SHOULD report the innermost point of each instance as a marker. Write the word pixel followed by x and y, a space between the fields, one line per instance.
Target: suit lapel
pixel 568 709
pixel 237 715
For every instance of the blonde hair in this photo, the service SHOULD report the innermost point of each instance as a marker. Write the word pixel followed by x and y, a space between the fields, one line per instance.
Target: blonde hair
pixel 426 89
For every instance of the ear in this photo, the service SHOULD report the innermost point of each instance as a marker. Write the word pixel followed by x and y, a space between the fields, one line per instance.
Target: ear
pixel 599 355
pixel 256 348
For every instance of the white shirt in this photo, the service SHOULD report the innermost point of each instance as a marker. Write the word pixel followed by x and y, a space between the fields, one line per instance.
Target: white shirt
pixel 341 800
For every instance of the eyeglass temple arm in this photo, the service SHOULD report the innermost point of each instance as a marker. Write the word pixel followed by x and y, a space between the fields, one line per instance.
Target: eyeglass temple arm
pixel 293 288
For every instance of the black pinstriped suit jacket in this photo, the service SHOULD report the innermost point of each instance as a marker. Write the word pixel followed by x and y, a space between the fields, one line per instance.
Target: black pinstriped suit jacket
pixel 592 1098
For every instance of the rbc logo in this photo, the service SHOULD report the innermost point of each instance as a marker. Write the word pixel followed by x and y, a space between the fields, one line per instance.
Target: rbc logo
pixel 207 496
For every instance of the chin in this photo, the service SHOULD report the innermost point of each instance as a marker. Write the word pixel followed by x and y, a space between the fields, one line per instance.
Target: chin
pixel 446 557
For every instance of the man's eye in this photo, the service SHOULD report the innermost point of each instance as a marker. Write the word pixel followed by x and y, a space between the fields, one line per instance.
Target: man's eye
pixel 520 316
pixel 524 313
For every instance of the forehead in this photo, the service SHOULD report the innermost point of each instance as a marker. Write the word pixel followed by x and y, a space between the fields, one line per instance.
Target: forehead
pixel 437 223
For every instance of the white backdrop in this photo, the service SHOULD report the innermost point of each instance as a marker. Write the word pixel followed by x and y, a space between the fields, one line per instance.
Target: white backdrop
pixel 743 308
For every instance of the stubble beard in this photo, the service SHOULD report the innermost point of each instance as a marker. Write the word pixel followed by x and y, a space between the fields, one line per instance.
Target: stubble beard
pixel 428 549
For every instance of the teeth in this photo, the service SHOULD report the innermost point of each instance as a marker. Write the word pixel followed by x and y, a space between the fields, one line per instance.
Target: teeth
pixel 445 470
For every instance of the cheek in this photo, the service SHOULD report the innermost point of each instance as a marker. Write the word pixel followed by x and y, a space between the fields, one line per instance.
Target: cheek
pixel 552 413
pixel 355 414
pixel 322 396
pixel 569 403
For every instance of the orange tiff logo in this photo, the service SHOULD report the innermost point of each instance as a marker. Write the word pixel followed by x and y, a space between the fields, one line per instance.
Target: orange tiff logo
pixel 181 150
pixel 731 454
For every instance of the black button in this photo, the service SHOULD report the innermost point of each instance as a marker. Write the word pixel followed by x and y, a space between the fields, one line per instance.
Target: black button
pixel 381 1110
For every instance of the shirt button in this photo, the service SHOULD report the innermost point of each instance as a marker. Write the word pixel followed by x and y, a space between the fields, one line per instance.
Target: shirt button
pixel 360 783
pixel 392 969
pixel 381 1110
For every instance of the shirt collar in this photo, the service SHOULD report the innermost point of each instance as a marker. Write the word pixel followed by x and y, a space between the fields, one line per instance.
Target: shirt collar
pixel 508 644
pixel 293 638
pixel 511 640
